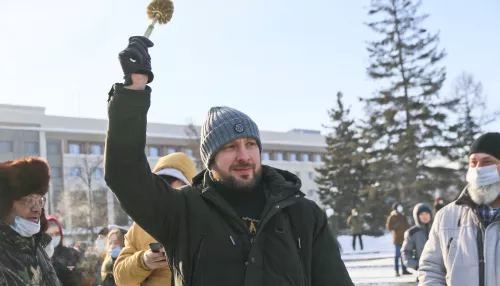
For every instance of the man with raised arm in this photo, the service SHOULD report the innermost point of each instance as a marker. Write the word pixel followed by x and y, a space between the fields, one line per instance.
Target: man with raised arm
pixel 241 222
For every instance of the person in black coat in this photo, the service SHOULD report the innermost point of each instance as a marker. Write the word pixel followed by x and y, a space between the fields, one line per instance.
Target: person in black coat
pixel 64 259
pixel 241 223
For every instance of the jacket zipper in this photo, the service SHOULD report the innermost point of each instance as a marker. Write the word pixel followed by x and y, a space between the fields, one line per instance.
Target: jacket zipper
pixel 197 254
pixel 298 245
pixel 480 250
pixel 480 247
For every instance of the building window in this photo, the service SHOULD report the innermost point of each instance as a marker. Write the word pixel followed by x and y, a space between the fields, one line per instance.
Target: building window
pixel 55 172
pixel 305 157
pixel 53 148
pixel 189 152
pixel 75 172
pixel 317 158
pixel 278 156
pixel 292 157
pixel 154 152
pixel 99 173
pixel 266 156
pixel 31 147
pixel 171 150
pixel 96 149
pixel 6 147
pixel 75 148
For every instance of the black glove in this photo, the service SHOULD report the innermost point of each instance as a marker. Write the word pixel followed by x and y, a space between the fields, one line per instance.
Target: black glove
pixel 135 58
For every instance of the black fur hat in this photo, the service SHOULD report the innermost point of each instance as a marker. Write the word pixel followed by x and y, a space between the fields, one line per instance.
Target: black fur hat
pixel 22 177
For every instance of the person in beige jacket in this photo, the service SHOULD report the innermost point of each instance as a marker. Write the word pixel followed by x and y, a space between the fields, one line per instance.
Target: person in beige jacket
pixel 137 264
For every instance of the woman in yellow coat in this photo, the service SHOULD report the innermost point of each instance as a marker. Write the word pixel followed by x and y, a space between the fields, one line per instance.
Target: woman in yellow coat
pixel 137 264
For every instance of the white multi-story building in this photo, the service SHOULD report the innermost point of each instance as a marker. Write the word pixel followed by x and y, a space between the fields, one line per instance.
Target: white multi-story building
pixel 74 148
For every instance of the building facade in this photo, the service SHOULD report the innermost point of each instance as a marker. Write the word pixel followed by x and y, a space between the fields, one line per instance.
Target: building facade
pixel 74 148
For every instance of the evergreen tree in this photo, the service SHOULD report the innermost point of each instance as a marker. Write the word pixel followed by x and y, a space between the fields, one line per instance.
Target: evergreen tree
pixel 406 116
pixel 341 177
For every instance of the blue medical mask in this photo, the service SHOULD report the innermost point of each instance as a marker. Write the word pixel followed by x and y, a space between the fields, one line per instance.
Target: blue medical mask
pixel 483 176
pixel 49 249
pixel 55 241
pixel 25 227
pixel 115 252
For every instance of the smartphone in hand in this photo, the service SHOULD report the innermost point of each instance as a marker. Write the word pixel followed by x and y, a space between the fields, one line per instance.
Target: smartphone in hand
pixel 155 247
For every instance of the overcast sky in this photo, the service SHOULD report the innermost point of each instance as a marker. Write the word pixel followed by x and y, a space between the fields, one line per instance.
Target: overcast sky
pixel 281 62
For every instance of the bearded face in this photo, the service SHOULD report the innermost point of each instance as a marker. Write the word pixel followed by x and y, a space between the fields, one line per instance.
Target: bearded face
pixel 483 178
pixel 484 195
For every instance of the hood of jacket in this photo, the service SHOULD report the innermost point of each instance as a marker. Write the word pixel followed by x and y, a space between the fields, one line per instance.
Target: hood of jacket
pixel 417 209
pixel 59 225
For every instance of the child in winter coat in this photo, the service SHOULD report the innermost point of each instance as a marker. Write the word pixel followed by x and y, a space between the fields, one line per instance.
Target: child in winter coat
pixel 416 236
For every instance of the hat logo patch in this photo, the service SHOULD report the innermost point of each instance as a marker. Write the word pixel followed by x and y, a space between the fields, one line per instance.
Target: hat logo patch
pixel 239 128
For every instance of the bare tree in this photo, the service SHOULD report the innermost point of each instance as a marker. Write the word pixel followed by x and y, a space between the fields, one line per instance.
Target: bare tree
pixel 80 199
pixel 193 135
pixel 472 116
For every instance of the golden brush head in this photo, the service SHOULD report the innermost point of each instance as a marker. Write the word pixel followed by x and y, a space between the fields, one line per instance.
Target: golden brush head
pixel 163 8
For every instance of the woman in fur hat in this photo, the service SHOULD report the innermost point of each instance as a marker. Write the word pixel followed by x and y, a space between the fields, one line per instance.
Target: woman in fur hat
pixel 23 260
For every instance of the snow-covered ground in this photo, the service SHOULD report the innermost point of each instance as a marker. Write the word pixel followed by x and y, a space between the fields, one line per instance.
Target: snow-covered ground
pixel 374 265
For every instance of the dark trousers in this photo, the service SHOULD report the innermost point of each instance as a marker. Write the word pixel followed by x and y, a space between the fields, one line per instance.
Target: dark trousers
pixel 354 241
pixel 398 258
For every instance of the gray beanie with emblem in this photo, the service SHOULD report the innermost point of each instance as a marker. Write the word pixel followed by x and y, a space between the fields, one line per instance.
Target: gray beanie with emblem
pixel 222 125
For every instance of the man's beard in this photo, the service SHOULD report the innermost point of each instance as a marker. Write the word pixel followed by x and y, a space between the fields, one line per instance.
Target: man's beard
pixel 484 195
pixel 228 181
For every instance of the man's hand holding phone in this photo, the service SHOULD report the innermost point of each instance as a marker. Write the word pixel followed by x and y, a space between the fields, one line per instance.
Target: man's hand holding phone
pixel 154 257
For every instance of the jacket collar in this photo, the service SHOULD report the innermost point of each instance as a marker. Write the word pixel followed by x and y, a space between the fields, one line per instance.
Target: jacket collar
pixel 465 200
pixel 9 236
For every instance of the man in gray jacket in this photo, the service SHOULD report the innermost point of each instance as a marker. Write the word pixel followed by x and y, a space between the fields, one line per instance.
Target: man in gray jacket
pixel 416 236
pixel 463 246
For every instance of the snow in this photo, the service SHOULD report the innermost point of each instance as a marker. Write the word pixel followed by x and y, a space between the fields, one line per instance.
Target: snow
pixel 374 265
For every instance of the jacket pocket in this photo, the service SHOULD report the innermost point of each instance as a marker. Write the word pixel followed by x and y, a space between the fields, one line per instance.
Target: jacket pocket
pixel 448 248
pixel 195 275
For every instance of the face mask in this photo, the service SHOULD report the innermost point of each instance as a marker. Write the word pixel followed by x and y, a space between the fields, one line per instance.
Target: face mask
pixel 399 209
pixel 55 241
pixel 25 227
pixel 356 214
pixel 483 176
pixel 115 252
pixel 100 244
pixel 49 249
pixel 329 212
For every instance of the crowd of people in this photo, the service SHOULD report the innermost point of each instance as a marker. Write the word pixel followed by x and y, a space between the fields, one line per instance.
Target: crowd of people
pixel 35 252
pixel 238 222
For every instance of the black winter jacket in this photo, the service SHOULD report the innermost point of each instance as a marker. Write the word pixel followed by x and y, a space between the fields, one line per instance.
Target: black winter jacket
pixel 206 242
pixel 66 262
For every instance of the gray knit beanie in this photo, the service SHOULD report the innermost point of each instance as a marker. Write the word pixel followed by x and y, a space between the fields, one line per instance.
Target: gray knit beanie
pixel 222 125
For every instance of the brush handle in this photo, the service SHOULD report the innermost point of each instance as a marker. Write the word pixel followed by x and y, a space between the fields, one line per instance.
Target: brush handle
pixel 151 26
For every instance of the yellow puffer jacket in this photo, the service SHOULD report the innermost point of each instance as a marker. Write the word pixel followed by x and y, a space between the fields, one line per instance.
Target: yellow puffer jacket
pixel 130 270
